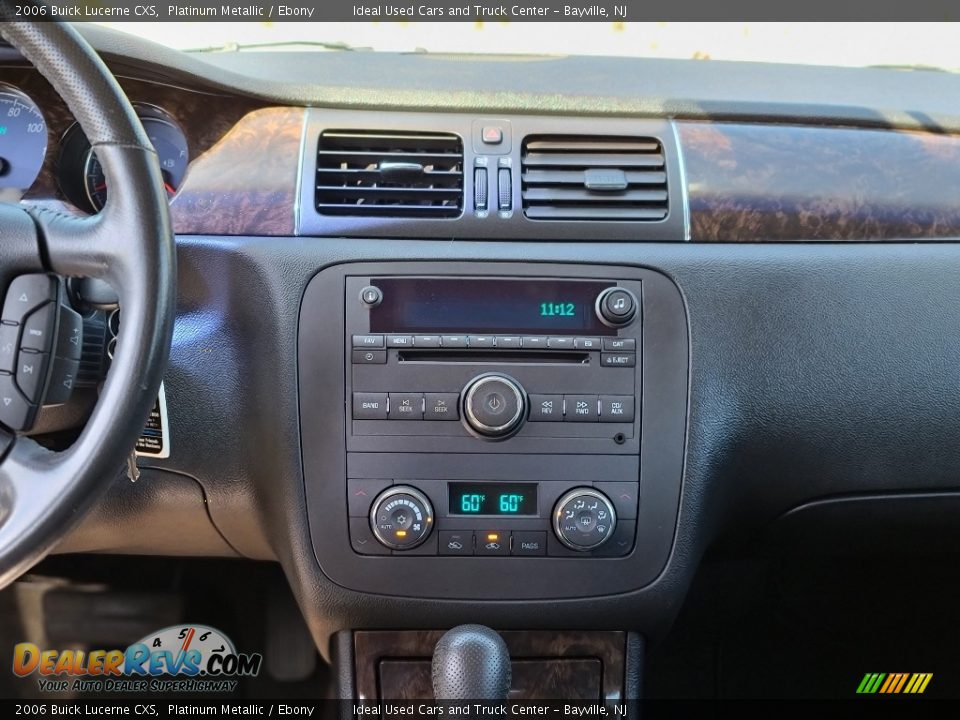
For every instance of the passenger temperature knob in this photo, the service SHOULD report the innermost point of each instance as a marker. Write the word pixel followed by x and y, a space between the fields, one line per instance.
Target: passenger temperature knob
pixel 584 519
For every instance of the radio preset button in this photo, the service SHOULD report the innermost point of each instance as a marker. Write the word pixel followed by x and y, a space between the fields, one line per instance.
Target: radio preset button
pixel 406 406
pixel 426 341
pixel 509 342
pixel 369 357
pixel 535 342
pixel 441 406
pixel 399 341
pixel 590 343
pixel 546 408
pixel 616 408
pixel 481 341
pixel 454 341
pixel 369 406
pixel 580 408
pixel 626 360
pixel 368 341
pixel 560 343
pixel 620 344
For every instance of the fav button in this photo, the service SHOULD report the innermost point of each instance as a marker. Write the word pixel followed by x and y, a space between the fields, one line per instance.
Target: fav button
pixel 368 341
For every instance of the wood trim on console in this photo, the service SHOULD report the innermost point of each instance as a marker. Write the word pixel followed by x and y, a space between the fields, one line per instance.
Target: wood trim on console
pixel 371 647
pixel 781 183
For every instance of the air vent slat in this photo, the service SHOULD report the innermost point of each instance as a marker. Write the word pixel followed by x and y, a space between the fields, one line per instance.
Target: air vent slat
pixel 553 212
pixel 590 196
pixel 630 146
pixel 384 174
pixel 620 160
pixel 576 177
pixel 594 178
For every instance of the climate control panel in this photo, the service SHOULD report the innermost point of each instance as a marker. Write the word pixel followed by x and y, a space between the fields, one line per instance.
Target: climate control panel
pixel 493 519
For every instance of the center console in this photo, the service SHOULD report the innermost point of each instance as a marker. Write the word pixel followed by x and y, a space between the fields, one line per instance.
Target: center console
pixel 502 430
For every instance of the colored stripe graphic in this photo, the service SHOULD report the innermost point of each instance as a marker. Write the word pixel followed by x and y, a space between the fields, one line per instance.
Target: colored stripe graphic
pixel 894 683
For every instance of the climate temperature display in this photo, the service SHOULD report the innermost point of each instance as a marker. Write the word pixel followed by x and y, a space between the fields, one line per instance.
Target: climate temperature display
pixel 493 498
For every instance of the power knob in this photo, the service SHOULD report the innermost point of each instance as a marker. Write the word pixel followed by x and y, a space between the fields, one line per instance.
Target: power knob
pixel 494 406
pixel 584 519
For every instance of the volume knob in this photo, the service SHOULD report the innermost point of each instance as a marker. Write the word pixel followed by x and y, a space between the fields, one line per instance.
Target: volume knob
pixel 494 406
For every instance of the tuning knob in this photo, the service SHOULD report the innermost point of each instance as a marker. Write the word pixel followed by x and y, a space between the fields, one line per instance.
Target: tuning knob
pixel 584 519
pixel 401 517
pixel 494 406
pixel 616 307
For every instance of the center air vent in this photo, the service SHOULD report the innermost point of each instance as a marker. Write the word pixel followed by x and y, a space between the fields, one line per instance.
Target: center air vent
pixel 385 174
pixel 593 178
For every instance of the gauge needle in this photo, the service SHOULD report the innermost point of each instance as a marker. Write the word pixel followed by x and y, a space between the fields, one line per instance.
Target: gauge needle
pixel 170 188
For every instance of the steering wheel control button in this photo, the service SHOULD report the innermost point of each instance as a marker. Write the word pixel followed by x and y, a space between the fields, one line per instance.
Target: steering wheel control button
pixel 69 333
pixel 31 374
pixel 401 517
pixel 362 539
pixel 369 357
pixel 26 293
pixel 619 344
pixel 15 412
pixel 616 307
pixel 546 408
pixel 371 296
pixel 368 341
pixel 492 543
pixel 406 406
pixel 38 328
pixel 580 408
pixel 625 360
pixel 616 408
pixel 529 543
pixel 369 406
pixel 584 519
pixel 441 406
pixel 494 405
pixel 9 335
pixel 456 542
pixel 63 376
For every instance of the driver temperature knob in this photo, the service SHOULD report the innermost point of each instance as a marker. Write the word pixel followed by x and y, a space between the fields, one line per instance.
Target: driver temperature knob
pixel 401 517
pixel 494 406
pixel 584 519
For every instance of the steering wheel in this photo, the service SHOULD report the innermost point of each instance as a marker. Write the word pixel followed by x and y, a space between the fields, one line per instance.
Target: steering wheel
pixel 130 245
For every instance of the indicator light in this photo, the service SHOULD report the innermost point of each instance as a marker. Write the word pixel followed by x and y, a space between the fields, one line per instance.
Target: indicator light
pixel 493 536
pixel 401 533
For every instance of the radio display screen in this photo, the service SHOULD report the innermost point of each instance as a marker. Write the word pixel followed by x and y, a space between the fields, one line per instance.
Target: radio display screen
pixel 496 306
pixel 493 498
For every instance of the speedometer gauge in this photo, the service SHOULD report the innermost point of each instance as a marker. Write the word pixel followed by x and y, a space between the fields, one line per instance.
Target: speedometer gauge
pixel 23 143
pixel 171 146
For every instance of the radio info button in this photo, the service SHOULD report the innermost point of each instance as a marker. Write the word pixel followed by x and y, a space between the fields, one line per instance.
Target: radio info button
pixel 441 406
pixel 369 406
pixel 546 408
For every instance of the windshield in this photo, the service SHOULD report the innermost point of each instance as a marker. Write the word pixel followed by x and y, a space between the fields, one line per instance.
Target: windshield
pixel 930 45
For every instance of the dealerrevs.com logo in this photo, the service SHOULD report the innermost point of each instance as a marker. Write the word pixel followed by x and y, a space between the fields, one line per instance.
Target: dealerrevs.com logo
pixel 180 658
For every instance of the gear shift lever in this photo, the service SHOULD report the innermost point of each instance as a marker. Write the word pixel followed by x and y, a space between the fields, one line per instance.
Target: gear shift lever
pixel 471 662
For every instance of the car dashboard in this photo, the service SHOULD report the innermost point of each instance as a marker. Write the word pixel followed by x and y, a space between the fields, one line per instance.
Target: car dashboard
pixel 517 341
